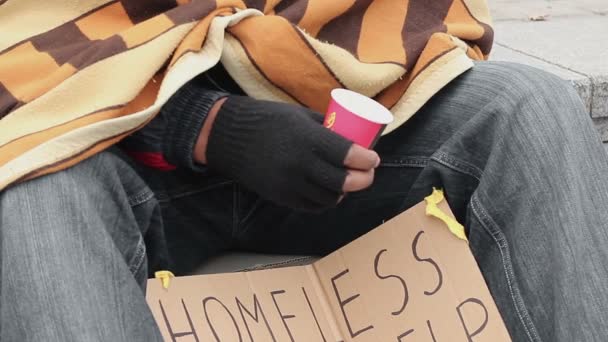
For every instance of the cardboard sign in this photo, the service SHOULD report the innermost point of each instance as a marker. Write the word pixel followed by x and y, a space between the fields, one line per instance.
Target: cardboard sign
pixel 410 279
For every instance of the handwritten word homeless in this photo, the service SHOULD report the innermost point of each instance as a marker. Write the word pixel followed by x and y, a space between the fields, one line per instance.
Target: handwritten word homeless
pixel 408 280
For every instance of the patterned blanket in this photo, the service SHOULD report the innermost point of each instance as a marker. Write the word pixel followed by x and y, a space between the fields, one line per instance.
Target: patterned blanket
pixel 77 76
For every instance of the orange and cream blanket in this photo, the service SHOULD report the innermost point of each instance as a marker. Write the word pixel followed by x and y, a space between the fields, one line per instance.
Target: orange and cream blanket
pixel 77 76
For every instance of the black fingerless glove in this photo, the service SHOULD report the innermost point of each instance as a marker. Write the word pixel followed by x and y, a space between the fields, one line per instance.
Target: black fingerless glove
pixel 280 151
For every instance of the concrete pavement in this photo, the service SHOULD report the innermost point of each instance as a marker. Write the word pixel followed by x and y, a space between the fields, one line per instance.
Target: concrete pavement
pixel 572 42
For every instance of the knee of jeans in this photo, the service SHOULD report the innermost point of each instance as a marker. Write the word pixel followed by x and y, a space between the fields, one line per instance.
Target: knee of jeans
pixel 102 191
pixel 98 183
pixel 79 174
pixel 517 80
pixel 102 172
pixel 537 101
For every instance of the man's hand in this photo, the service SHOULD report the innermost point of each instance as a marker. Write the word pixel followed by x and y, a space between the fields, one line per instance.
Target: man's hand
pixel 361 163
pixel 283 153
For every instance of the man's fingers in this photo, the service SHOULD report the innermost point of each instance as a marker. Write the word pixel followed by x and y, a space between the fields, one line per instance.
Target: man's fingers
pixel 358 180
pixel 360 158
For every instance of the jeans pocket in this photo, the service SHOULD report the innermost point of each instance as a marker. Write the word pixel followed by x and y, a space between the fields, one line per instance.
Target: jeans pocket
pixel 491 249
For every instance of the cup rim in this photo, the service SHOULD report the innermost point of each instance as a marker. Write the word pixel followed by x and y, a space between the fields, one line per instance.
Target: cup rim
pixel 362 106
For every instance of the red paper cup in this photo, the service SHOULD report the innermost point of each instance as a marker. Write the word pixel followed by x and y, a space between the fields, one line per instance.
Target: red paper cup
pixel 356 117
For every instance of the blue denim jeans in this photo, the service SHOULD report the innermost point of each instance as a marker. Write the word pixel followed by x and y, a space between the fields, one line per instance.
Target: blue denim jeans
pixel 512 146
pixel 73 259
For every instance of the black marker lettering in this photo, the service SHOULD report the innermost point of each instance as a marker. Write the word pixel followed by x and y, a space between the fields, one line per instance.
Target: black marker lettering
pixel 175 336
pixel 430 261
pixel 256 306
pixel 406 296
pixel 217 338
pixel 343 303
pixel 483 325
pixel 284 318
pixel 428 323
pixel 313 314
pixel 404 335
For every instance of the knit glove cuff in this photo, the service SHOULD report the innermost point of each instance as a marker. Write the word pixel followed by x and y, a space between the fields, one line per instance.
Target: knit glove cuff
pixel 185 115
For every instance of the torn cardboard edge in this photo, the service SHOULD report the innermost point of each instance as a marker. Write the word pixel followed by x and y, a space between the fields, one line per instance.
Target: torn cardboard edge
pixel 410 279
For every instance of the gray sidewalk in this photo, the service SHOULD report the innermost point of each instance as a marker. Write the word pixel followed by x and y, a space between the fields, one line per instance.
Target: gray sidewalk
pixel 571 42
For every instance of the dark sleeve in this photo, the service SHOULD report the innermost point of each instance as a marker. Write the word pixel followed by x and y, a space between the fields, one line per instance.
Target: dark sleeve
pixel 167 142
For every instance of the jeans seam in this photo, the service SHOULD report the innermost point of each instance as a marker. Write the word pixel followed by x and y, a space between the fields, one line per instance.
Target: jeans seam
pixel 235 208
pixel 167 197
pixel 413 161
pixel 140 198
pixel 501 241
pixel 251 211
pixel 138 259
pixel 457 164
